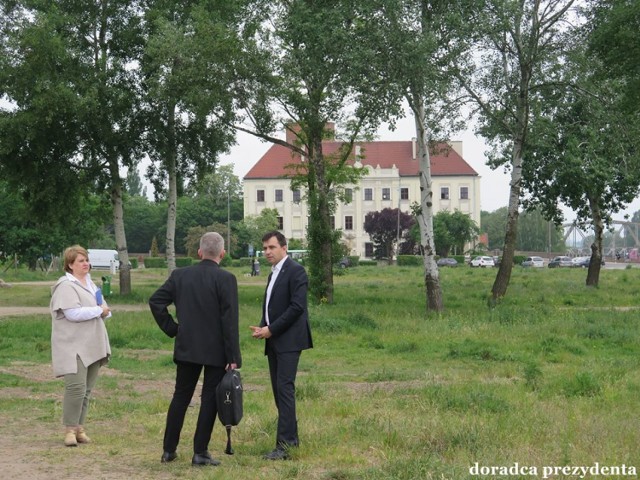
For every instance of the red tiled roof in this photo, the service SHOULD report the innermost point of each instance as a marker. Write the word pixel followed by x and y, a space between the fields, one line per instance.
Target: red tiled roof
pixel 444 161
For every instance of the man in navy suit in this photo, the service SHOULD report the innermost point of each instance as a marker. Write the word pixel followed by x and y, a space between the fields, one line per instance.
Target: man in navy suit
pixel 207 337
pixel 285 328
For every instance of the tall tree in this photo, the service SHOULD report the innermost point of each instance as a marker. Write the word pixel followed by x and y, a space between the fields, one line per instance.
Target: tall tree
pixel 418 43
pixel 69 79
pixel 134 185
pixel 184 140
pixel 143 220
pixel 453 231
pixel 614 39
pixel 519 45
pixel 309 68
pixel 31 236
pixel 584 153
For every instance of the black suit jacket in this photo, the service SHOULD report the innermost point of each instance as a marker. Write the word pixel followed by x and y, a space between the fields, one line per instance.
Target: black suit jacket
pixel 206 300
pixel 288 315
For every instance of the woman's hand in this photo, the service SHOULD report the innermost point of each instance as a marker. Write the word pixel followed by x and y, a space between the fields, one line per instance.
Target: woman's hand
pixel 105 311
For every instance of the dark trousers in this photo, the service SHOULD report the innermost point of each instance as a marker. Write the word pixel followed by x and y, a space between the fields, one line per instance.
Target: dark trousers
pixel 187 375
pixel 283 368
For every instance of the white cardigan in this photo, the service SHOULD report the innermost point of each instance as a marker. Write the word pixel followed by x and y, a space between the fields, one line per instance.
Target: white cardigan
pixel 69 339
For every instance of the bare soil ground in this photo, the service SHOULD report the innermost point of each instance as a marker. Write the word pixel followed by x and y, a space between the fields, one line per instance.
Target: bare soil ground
pixel 31 446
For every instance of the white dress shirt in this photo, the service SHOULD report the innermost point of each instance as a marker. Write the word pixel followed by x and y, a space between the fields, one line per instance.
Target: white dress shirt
pixel 82 314
pixel 275 270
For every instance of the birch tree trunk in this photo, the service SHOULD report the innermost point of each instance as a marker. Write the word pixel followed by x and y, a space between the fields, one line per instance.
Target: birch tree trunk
pixel 172 193
pixel 501 282
pixel 425 216
pixel 118 226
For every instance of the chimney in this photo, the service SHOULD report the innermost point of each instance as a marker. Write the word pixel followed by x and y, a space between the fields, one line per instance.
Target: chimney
pixel 292 128
pixel 290 133
pixel 413 147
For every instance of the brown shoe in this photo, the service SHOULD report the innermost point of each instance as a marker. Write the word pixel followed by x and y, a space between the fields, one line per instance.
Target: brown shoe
pixel 81 435
pixel 70 439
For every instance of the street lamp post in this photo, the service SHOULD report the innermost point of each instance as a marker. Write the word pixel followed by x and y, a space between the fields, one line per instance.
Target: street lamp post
pixel 228 220
pixel 398 220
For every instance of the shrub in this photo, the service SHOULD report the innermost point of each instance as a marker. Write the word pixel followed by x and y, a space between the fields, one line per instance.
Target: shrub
pixel 412 260
pixel 134 262
pixel 369 263
pixel 518 259
pixel 184 261
pixel 155 262
pixel 459 258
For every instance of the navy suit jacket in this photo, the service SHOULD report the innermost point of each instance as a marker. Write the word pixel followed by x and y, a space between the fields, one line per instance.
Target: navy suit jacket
pixel 206 300
pixel 288 315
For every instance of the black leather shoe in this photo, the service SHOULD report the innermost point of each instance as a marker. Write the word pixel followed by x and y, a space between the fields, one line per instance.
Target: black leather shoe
pixel 204 458
pixel 168 457
pixel 277 454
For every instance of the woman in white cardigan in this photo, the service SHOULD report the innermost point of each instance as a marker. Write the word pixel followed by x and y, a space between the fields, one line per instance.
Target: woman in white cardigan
pixel 79 340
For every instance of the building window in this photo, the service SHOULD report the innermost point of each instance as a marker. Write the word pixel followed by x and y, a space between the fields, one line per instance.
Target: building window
pixel 296 196
pixel 368 249
pixel 464 193
pixel 280 223
pixel 348 195
pixel 348 222
pixel 278 195
pixel 404 193
pixel 386 194
pixel 444 193
pixel 368 194
pixel 332 220
pixel 260 197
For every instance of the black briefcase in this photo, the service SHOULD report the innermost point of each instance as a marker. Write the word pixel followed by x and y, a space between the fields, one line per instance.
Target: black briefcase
pixel 229 402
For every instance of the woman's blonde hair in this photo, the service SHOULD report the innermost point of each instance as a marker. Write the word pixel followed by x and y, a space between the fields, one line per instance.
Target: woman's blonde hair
pixel 70 255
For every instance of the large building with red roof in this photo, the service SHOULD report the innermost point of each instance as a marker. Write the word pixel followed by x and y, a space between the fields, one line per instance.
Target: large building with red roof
pixel 392 182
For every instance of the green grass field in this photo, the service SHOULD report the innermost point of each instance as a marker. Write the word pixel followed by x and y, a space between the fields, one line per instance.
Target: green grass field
pixel 549 378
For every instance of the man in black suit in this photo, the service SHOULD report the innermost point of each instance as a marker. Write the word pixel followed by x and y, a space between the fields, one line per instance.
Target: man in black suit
pixel 285 328
pixel 207 337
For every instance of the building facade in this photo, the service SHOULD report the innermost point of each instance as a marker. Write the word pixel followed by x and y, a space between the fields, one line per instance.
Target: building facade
pixel 392 181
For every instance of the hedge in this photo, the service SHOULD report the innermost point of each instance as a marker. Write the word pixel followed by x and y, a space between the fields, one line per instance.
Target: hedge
pixel 368 263
pixel 184 261
pixel 412 260
pixel 355 260
pixel 155 262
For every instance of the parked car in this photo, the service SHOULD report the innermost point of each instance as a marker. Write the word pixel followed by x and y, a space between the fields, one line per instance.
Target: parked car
pixel 447 262
pixel 482 261
pixel 344 262
pixel 584 262
pixel 561 261
pixel 580 261
pixel 533 262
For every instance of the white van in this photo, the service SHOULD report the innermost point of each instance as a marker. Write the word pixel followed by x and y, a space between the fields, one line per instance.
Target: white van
pixel 103 259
